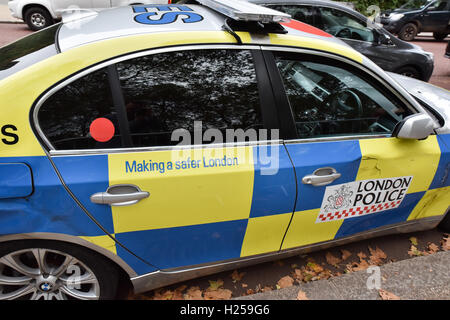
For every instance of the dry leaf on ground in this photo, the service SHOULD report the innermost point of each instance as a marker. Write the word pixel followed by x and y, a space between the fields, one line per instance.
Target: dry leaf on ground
pixel 237 276
pixel 414 252
pixel 331 259
pixel 285 282
pixel 302 296
pixel 376 256
pixel 214 285
pixel 345 254
pixel 433 248
pixel 386 295
pixel 219 294
pixel 193 293
pixel 414 241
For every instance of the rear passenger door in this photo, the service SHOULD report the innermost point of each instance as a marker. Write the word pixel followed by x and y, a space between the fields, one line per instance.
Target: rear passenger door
pixel 352 176
pixel 167 151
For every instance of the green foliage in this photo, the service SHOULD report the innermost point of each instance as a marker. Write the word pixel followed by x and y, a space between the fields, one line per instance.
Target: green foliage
pixel 362 5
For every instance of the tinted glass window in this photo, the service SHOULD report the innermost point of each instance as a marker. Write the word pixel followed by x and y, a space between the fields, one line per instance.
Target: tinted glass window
pixel 331 100
pixel 343 25
pixel 300 13
pixel 66 117
pixel 27 51
pixel 156 95
pixel 169 91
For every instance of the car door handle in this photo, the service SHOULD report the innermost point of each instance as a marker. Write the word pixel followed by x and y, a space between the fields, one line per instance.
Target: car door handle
pixel 120 195
pixel 321 177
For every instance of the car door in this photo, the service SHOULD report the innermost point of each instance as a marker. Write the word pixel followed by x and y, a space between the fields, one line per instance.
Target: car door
pixel 436 17
pixel 353 177
pixel 148 160
pixel 59 5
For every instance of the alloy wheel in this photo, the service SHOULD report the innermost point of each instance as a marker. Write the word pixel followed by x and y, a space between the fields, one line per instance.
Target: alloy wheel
pixel 45 274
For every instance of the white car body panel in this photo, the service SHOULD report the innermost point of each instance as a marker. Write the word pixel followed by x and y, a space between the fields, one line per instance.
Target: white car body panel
pixel 55 7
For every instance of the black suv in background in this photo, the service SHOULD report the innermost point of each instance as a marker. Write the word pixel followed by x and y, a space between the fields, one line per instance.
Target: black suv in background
pixel 419 16
pixel 383 48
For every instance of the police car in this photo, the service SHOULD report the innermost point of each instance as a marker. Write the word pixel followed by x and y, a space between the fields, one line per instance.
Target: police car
pixel 151 144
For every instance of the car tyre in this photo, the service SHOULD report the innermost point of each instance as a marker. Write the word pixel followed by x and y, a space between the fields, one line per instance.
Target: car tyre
pixel 408 32
pixel 439 36
pixel 53 270
pixel 409 71
pixel 37 18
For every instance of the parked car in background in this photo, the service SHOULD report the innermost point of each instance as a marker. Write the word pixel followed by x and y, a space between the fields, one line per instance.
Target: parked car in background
pixel 383 48
pixel 39 14
pixel 419 16
pixel 447 51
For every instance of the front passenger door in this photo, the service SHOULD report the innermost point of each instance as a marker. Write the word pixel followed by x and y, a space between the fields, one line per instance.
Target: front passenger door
pixel 352 175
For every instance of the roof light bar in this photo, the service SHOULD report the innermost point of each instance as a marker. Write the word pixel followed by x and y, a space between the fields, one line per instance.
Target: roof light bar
pixel 242 10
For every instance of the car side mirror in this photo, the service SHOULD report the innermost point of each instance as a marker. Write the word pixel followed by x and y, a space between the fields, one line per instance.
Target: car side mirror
pixel 416 126
pixel 381 38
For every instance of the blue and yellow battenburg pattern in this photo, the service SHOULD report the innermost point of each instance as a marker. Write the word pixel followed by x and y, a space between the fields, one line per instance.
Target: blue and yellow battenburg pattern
pixel 205 214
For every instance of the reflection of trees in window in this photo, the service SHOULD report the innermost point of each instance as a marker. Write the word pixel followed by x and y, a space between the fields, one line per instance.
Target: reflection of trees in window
pixel 67 115
pixel 217 87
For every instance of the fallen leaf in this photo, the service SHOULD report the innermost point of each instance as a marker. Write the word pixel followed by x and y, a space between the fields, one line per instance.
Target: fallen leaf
pixel 285 282
pixel 376 256
pixel 294 265
pixel 250 291
pixel 413 241
pixel 244 285
pixel 265 289
pixel 361 255
pixel 433 248
pixel 193 293
pixel 345 254
pixel 414 252
pixel 298 275
pixel 165 295
pixel 214 285
pixel 386 295
pixel 302 296
pixel 219 294
pixel 236 276
pixel 314 267
pixel 332 259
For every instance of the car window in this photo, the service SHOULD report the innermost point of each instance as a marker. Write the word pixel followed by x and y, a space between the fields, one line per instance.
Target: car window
pixel 66 117
pixel 170 91
pixel 28 51
pixel 343 25
pixel 301 13
pixel 210 89
pixel 328 99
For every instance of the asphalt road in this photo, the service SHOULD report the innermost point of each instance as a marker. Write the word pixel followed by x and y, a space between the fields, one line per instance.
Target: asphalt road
pixel 256 278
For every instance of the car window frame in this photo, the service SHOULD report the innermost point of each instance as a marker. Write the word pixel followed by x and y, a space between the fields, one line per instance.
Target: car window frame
pixel 285 110
pixel 266 98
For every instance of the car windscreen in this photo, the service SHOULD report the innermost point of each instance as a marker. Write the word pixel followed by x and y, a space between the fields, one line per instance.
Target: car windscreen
pixel 415 4
pixel 27 51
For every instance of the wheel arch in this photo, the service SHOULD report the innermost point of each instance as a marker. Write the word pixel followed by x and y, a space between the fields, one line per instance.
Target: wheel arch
pixel 39 5
pixel 105 253
pixel 415 66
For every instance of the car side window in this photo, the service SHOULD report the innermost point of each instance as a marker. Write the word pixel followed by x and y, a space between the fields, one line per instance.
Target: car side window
pixel 342 25
pixel 301 13
pixel 66 117
pixel 329 98
pixel 170 91
pixel 154 96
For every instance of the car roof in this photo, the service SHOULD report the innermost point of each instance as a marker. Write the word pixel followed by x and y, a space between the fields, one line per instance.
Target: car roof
pixel 120 22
